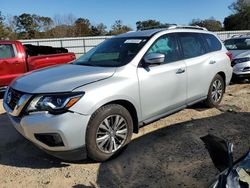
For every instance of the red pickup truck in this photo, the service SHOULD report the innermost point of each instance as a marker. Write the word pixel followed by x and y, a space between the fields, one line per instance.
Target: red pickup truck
pixel 17 59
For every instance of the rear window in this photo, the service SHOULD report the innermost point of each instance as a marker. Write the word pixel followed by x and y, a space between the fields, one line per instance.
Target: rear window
pixel 238 44
pixel 192 45
pixel 213 43
pixel 6 51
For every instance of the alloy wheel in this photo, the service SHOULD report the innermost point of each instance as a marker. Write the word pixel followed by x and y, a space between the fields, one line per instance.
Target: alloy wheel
pixel 111 133
pixel 217 90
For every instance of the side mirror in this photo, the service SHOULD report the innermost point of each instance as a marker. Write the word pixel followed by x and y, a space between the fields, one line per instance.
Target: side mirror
pixel 154 58
pixel 221 151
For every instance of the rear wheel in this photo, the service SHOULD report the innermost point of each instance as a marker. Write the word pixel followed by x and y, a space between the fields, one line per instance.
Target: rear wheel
pixel 109 130
pixel 216 91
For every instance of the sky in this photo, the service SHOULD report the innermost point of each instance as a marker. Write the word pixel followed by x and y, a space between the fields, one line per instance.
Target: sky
pixel 129 11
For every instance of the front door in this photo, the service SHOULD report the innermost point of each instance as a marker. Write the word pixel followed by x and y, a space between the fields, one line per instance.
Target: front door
pixel 163 87
pixel 10 65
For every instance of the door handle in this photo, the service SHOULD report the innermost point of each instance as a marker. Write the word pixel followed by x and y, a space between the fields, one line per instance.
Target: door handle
pixel 212 62
pixel 16 62
pixel 179 71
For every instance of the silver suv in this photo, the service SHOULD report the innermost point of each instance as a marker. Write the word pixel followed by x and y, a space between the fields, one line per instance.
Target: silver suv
pixel 93 105
pixel 240 48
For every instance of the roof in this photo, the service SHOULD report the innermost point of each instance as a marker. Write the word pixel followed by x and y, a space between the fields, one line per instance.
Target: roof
pixel 143 33
pixel 151 32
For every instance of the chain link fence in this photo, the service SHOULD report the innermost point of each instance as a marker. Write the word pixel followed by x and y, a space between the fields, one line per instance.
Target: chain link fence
pixel 80 45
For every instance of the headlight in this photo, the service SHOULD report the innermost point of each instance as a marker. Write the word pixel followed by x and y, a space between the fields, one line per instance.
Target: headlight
pixel 242 60
pixel 53 103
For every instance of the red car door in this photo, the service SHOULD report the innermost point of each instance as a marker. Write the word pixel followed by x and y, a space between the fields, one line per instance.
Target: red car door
pixel 11 65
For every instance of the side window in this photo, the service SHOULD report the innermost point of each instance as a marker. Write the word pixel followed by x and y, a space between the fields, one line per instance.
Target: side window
pixel 6 51
pixel 213 43
pixel 166 45
pixel 192 45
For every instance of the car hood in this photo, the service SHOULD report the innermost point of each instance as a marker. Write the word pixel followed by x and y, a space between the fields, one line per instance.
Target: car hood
pixel 63 78
pixel 240 53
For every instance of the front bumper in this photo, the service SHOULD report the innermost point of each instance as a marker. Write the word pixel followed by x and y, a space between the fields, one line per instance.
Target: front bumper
pixel 242 69
pixel 70 126
pixel 71 155
pixel 241 76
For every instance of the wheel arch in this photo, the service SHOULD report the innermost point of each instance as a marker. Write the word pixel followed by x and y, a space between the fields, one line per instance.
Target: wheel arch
pixel 131 109
pixel 223 75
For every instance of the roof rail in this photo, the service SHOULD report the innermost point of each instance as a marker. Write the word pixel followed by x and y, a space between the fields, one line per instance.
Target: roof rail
pixel 187 27
pixel 165 26
pixel 174 26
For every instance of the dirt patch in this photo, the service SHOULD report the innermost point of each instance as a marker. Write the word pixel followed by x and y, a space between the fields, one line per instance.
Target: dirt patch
pixel 167 153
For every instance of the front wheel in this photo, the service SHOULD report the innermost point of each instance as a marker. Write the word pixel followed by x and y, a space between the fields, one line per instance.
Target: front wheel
pixel 109 130
pixel 216 91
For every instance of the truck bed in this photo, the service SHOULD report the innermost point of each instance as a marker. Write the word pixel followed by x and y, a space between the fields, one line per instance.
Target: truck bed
pixel 41 61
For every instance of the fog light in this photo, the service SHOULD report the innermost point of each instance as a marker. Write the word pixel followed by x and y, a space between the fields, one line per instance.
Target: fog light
pixel 50 139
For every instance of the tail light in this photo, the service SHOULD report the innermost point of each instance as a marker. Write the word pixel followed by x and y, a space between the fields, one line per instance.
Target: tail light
pixel 230 55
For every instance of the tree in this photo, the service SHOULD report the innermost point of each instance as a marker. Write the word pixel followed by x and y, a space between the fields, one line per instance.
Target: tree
pixel 99 29
pixel 118 28
pixel 240 19
pixel 82 27
pixel 4 31
pixel 239 6
pixel 26 25
pixel 45 23
pixel 147 24
pixel 61 31
pixel 29 26
pixel 211 24
pixel 66 19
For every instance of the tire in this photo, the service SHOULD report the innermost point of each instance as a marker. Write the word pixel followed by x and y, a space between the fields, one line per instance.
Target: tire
pixel 216 91
pixel 102 135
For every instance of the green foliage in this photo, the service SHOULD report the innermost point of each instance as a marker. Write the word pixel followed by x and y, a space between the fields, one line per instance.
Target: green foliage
pixel 100 30
pixel 3 29
pixel 147 24
pixel 30 26
pixel 82 27
pixel 240 6
pixel 150 24
pixel 210 24
pixel 118 28
pixel 240 19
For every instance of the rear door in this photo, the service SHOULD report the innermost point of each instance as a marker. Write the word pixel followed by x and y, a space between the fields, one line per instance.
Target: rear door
pixel 10 65
pixel 163 87
pixel 198 63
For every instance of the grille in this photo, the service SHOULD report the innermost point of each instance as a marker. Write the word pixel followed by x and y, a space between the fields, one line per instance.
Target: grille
pixel 14 97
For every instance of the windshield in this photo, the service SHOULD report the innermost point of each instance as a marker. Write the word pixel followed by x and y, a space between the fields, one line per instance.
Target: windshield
pixel 238 44
pixel 113 52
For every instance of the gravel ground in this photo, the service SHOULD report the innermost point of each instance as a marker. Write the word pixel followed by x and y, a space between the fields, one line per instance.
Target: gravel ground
pixel 167 153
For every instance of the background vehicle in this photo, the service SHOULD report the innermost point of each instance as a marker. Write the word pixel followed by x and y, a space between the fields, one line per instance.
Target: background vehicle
pixel 95 103
pixel 16 59
pixel 232 173
pixel 240 48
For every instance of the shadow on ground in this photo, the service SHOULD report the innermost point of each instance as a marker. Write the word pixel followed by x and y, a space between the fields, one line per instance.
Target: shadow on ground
pixel 173 156
pixel 19 152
